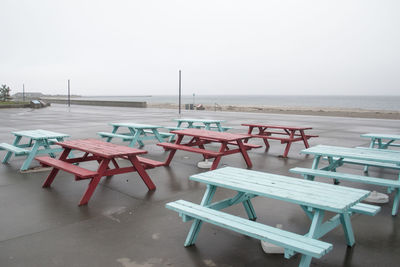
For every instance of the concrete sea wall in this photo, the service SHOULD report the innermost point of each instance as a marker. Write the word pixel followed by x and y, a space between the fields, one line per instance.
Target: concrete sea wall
pixel 98 103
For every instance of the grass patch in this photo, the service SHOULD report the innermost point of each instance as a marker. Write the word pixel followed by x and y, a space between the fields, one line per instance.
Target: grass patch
pixel 12 103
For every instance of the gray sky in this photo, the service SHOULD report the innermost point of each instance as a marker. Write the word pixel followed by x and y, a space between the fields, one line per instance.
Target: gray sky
pixel 222 46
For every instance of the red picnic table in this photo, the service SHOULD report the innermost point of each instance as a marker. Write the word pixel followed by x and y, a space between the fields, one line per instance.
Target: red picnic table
pixel 285 134
pixel 103 153
pixel 199 138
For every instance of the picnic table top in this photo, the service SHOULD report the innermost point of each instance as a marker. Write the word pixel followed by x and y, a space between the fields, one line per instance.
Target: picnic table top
pixel 379 155
pixel 382 136
pixel 211 135
pixel 199 120
pixel 40 134
pixel 101 148
pixel 324 196
pixel 276 126
pixel 135 125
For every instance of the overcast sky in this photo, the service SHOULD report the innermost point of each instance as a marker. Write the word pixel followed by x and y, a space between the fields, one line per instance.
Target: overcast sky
pixel 222 46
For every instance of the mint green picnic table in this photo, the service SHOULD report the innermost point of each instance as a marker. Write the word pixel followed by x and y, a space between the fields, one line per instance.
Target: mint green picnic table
pixel 337 156
pixel 40 142
pixel 316 199
pixel 201 123
pixel 381 141
pixel 137 133
pixel 377 140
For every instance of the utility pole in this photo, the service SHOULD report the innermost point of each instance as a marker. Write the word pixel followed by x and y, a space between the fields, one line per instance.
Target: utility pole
pixel 180 92
pixel 23 92
pixel 69 100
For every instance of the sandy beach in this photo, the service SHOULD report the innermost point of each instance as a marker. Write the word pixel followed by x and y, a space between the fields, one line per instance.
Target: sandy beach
pixel 335 112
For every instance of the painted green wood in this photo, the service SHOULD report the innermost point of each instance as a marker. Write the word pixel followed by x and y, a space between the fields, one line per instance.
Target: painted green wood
pixel 198 120
pixel 347 177
pixel 16 150
pixel 382 136
pixel 40 142
pixel 365 209
pixel 122 136
pixel 163 134
pixel 383 156
pixel 135 125
pixel 40 134
pixel 279 237
pixel 297 191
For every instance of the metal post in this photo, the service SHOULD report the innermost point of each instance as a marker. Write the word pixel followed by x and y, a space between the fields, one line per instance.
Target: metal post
pixel 69 100
pixel 193 100
pixel 23 92
pixel 180 91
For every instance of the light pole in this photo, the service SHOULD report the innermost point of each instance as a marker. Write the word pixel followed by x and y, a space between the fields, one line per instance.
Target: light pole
pixel 180 92
pixel 69 100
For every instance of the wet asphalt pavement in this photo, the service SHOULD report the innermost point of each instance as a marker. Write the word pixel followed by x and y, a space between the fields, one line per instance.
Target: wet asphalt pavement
pixel 126 225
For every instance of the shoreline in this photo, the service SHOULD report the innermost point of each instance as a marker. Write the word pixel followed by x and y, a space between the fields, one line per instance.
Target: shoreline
pixel 315 111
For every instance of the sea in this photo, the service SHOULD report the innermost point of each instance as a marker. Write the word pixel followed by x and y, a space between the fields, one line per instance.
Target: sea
pixel 387 103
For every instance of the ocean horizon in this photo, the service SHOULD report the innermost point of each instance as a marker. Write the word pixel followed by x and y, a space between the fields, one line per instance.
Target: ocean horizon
pixel 387 103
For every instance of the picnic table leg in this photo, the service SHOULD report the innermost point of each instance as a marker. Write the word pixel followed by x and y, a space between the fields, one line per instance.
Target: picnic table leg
pixel 304 137
pixel 135 138
pixel 173 151
pixel 371 145
pixel 251 213
pixel 261 131
pixel 396 202
pixel 49 180
pixel 196 225
pixel 218 158
pixel 347 228
pixel 114 130
pixel 32 155
pixel 314 167
pixel 244 153
pixel 94 182
pixel 9 153
pixel 289 143
pixel 313 233
pixel 142 172
pixel 157 135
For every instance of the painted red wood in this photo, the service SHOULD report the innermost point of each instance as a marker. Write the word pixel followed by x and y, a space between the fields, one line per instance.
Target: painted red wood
pixel 104 153
pixel 191 149
pixel 277 126
pixel 202 137
pixel 65 166
pixel 100 148
pixel 211 135
pixel 288 135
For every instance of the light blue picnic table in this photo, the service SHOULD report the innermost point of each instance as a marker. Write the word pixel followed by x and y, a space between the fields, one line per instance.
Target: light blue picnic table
pixel 40 142
pixel 199 123
pixel 313 197
pixel 381 141
pixel 337 156
pixel 137 133
pixel 378 140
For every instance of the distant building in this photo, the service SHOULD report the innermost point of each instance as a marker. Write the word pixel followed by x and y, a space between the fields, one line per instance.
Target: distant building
pixel 28 95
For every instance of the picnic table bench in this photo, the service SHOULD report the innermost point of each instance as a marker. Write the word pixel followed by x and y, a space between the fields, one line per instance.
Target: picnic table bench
pixel 285 134
pixel 40 142
pixel 137 133
pixel 199 138
pixel 313 197
pixel 104 153
pixel 337 156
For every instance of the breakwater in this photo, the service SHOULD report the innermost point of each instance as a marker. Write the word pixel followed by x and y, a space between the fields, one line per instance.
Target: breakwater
pixel 132 104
